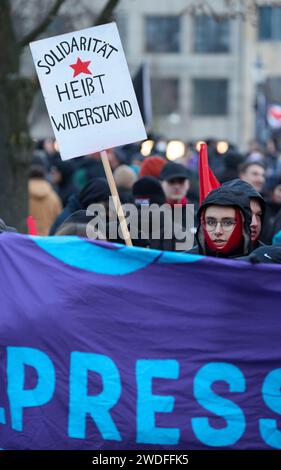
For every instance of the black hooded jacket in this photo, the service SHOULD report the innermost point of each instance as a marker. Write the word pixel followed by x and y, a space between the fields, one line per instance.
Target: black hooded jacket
pixel 226 196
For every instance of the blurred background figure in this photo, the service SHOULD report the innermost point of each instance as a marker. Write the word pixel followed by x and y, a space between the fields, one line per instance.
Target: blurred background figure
pixel 62 180
pixel 254 174
pixel 232 160
pixel 124 177
pixel 175 182
pixel 44 203
pixel 272 221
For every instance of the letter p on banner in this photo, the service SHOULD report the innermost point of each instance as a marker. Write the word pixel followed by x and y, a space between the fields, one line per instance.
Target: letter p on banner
pixel 20 397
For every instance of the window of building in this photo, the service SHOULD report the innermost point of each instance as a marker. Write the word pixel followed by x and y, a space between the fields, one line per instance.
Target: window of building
pixel 165 95
pixel 211 36
pixel 210 97
pixel 269 23
pixel 162 34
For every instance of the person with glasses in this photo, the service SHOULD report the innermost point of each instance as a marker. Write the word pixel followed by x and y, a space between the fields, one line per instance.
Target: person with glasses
pixel 224 225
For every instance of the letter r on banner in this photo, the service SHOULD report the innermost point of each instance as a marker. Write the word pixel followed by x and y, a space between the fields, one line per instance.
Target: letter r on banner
pixel 98 406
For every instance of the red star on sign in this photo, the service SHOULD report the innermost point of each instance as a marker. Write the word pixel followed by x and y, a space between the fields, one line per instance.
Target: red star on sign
pixel 81 67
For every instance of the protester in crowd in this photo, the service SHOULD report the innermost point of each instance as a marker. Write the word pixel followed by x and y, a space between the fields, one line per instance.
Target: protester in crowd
pixel 61 178
pixel 44 203
pixel 253 198
pixel 224 225
pixel 273 207
pixel 175 182
pixel 95 192
pixel 267 156
pixel 254 174
pixel 124 177
pixel 152 166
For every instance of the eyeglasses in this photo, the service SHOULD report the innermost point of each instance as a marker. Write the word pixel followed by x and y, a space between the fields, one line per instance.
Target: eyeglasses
pixel 227 224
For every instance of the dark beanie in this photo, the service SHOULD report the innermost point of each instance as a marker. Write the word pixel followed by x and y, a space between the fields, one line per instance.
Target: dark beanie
pixel 149 190
pixel 97 190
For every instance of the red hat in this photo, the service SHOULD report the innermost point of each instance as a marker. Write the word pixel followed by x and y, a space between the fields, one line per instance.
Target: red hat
pixel 152 166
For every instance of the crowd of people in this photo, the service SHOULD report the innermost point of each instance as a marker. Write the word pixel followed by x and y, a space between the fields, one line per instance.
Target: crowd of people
pixel 238 219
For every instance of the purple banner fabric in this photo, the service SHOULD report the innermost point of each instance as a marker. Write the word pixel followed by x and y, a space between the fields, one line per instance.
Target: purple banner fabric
pixel 108 347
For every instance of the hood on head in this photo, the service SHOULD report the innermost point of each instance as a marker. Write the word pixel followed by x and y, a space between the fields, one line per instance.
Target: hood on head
pixel 245 191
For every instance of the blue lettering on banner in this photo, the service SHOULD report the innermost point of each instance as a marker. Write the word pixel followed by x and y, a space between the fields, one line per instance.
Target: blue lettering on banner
pixel 100 407
pixel 271 392
pixel 81 404
pixel 149 404
pixel 19 398
pixel 223 407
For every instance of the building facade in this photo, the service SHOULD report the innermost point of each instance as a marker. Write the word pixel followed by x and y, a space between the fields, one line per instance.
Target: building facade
pixel 205 73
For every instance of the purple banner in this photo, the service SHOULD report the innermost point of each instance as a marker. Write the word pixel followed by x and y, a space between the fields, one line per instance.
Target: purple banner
pixel 108 347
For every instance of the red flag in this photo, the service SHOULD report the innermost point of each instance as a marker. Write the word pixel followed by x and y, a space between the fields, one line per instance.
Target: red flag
pixel 31 225
pixel 207 179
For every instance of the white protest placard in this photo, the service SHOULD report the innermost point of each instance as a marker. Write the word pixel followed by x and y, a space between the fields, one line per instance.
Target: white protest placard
pixel 88 90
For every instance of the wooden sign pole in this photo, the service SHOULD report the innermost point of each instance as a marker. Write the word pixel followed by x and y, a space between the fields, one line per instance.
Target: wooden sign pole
pixel 116 199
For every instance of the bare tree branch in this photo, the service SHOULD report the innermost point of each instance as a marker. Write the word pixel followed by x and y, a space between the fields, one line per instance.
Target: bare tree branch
pixel 247 10
pixel 105 15
pixel 43 25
